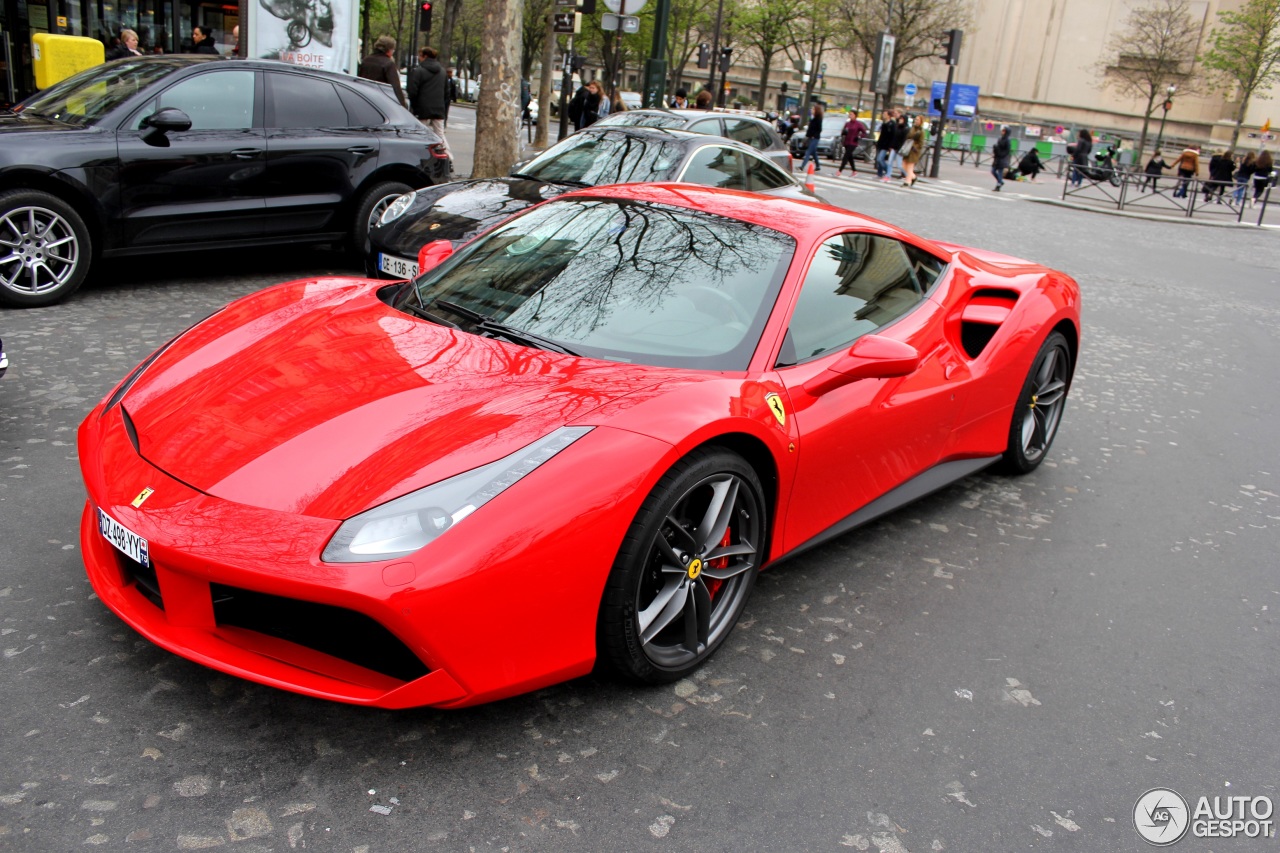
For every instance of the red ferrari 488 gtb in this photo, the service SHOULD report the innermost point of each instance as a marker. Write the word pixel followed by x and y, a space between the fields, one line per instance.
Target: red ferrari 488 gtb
pixel 574 442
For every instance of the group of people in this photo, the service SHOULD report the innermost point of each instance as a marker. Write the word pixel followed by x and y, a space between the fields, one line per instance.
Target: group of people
pixel 202 40
pixel 430 86
pixel 1224 171
pixel 900 143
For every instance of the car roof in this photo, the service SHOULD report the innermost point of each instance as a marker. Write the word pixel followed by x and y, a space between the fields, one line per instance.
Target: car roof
pixel 799 218
pixel 690 115
pixel 675 134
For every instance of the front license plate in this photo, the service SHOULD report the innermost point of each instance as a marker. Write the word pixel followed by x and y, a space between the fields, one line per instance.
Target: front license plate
pixel 399 267
pixel 129 543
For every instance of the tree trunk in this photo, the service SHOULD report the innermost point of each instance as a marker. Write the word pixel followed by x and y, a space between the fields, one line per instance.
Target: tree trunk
pixel 444 45
pixel 1244 108
pixel 498 110
pixel 544 85
pixel 764 81
pixel 1146 125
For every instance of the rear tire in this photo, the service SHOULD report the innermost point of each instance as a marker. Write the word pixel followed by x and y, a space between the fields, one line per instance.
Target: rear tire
pixel 44 249
pixel 369 210
pixel 685 569
pixel 1038 411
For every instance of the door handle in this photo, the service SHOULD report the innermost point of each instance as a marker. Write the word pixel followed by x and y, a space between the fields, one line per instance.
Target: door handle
pixel 246 153
pixel 361 149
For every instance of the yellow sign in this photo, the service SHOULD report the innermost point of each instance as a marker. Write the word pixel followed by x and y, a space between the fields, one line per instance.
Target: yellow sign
pixel 62 21
pixel 142 496
pixel 775 406
pixel 1266 126
pixel 57 57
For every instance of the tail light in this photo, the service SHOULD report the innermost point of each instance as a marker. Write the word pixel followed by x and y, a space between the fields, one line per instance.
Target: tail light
pixel 439 151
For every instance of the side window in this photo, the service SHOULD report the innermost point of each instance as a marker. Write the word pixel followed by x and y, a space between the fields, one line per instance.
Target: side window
pixel 856 284
pixel 710 126
pixel 713 166
pixel 298 101
pixel 763 175
pixel 928 269
pixel 360 113
pixel 215 100
pixel 747 132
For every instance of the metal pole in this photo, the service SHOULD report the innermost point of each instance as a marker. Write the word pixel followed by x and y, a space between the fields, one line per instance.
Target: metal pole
pixel 565 83
pixel 942 124
pixel 715 50
pixel 655 71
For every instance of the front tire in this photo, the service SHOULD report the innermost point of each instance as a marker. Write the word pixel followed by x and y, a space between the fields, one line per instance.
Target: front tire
pixel 685 569
pixel 1038 411
pixel 369 210
pixel 44 249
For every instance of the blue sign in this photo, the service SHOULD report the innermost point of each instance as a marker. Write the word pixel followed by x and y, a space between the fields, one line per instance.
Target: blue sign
pixel 964 100
pixel 909 89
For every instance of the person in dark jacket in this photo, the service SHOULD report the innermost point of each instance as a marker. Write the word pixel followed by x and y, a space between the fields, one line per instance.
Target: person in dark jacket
pixel 584 109
pixel 1080 151
pixel 128 46
pixel 884 144
pixel 1244 174
pixel 1031 165
pixel 811 137
pixel 1000 158
pixel 381 67
pixel 1155 168
pixel 854 131
pixel 428 99
pixel 203 40
pixel 1221 167
pixel 901 129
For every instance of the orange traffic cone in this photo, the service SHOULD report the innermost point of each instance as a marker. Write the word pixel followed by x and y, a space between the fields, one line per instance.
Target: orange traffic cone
pixel 808 179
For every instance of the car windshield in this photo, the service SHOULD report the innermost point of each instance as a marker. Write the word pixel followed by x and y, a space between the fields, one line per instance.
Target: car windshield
pixel 612 157
pixel 616 280
pixel 88 96
pixel 639 119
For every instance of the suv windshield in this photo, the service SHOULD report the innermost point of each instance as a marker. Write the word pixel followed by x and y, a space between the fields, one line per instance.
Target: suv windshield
pixel 88 96
pixel 614 280
pixel 611 157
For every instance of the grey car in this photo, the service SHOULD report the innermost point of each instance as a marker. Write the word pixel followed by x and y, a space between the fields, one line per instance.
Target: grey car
pixel 749 130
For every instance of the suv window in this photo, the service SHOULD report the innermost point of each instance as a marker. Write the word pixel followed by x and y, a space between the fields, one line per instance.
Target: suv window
pixel 856 284
pixel 215 100
pixel 298 101
pixel 709 126
pixel 359 111
pixel 716 166
pixel 763 175
pixel 748 132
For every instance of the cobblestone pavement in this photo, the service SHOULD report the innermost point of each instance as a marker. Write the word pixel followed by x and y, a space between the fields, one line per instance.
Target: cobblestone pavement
pixel 1005 665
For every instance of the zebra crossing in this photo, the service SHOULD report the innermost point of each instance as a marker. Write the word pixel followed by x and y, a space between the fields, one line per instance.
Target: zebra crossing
pixel 866 181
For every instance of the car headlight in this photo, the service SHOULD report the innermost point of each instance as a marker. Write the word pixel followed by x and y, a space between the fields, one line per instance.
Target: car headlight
pixel 397 208
pixel 404 525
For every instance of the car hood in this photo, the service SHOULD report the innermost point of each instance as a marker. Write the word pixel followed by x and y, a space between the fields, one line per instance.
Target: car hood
pixel 458 211
pixel 11 123
pixel 315 397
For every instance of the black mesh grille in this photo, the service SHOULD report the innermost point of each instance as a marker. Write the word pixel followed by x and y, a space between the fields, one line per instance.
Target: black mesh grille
pixel 336 631
pixel 143 577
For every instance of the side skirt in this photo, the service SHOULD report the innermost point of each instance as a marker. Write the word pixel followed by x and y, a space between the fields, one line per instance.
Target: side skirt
pixel 938 477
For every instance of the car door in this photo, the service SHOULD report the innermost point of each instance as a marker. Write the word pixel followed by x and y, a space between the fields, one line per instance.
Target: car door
pixel 862 439
pixel 317 155
pixel 203 185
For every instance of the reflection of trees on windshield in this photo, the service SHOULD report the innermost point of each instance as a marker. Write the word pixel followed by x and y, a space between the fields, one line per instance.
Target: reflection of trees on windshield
pixel 624 278
pixel 608 158
pixel 92 93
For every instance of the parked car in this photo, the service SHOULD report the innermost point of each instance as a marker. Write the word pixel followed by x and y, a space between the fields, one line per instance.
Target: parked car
pixel 831 143
pixel 600 154
pixel 570 445
pixel 756 132
pixel 174 153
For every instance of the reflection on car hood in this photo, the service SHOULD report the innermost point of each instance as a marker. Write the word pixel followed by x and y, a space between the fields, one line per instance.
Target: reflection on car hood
pixel 458 211
pixel 315 397
pixel 22 123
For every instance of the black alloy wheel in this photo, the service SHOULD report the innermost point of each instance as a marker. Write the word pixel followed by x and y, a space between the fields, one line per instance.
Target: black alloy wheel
pixel 372 205
pixel 1039 408
pixel 685 570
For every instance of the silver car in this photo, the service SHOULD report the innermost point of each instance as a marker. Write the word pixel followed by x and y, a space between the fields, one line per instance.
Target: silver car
pixel 749 130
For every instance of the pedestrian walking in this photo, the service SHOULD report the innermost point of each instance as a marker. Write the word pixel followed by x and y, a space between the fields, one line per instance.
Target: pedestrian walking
pixel 884 144
pixel 450 93
pixel 1155 168
pixel 811 137
pixel 428 93
pixel 380 66
pixel 1079 151
pixel 584 109
pixel 1187 164
pixel 1221 167
pixel 900 131
pixel 912 150
pixel 1262 168
pixel 1243 176
pixel 853 133
pixel 1000 158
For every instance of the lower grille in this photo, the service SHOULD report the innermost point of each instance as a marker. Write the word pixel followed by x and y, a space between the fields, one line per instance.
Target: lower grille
pixel 143 577
pixel 335 631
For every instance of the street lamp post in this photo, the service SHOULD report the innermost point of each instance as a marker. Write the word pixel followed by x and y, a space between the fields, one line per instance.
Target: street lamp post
pixel 1166 106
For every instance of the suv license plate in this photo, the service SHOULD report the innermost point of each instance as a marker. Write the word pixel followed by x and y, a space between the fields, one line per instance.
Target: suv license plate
pixel 126 541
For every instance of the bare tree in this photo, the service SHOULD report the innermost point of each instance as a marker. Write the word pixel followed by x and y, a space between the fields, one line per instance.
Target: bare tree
pixel 918 27
pixel 690 23
pixel 444 37
pixel 816 27
pixel 765 29
pixel 1245 52
pixel 1155 50
pixel 534 35
pixel 549 44
pixel 498 110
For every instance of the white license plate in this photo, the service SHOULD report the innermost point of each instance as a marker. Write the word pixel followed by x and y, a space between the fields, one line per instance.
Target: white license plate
pixel 129 543
pixel 399 267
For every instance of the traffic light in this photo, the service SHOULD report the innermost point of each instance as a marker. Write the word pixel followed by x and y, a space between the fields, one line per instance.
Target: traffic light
pixel 725 54
pixel 783 87
pixel 953 46
pixel 424 19
pixel 704 55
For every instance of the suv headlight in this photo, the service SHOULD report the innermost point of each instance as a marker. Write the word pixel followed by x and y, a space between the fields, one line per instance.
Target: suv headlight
pixel 397 208
pixel 404 525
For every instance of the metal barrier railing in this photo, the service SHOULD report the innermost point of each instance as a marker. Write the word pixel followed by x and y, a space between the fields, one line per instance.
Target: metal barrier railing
pixel 1187 197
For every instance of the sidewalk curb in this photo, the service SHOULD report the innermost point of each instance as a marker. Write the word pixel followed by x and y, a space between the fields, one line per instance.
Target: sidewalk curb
pixel 1150 217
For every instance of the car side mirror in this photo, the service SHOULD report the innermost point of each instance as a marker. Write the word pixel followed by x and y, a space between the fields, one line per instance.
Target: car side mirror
pixel 518 167
pixel 870 357
pixel 161 122
pixel 433 254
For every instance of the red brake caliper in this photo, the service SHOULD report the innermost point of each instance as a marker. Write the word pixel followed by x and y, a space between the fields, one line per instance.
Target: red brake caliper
pixel 713 585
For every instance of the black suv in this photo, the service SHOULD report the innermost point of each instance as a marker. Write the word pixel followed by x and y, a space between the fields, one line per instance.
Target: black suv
pixel 172 153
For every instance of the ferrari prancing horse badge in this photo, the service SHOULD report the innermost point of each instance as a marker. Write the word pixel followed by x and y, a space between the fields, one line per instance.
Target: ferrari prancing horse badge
pixel 775 406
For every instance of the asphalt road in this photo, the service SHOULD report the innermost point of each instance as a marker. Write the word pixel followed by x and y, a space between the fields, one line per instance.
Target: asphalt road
pixel 1007 665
